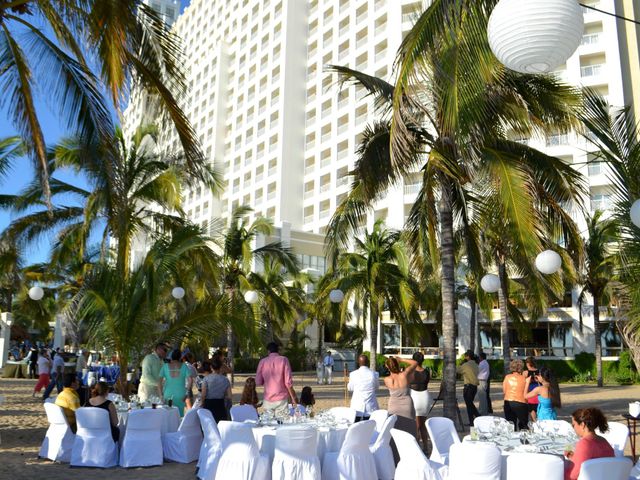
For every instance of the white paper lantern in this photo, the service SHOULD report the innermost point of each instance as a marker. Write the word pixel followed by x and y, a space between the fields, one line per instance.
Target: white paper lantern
pixel 548 262
pixel 36 293
pixel 634 213
pixel 535 36
pixel 177 292
pixel 490 283
pixel 251 297
pixel 336 296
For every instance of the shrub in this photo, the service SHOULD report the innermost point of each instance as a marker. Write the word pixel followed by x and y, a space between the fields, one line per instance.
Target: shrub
pixel 245 365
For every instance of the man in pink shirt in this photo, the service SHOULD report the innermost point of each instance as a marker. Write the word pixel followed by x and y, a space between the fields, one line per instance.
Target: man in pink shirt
pixel 274 372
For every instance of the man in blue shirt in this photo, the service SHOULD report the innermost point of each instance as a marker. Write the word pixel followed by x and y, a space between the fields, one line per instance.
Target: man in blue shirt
pixel 327 362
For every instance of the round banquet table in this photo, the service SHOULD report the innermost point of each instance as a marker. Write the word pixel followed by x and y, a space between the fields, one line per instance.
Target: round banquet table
pixel 543 444
pixel 330 439
pixel 170 423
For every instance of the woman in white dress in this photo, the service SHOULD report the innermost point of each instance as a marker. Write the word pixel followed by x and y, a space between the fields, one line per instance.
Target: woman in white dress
pixel 420 396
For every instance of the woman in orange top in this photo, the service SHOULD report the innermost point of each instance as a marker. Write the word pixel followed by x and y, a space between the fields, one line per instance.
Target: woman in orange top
pixel 513 387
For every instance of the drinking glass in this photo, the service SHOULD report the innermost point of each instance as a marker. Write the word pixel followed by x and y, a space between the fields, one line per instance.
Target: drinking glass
pixel 473 433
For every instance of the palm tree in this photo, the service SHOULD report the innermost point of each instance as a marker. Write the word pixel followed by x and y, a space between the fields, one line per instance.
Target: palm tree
pixel 132 188
pixel 598 274
pixel 130 314
pixel 241 257
pixel 454 107
pixel 127 41
pixel 376 275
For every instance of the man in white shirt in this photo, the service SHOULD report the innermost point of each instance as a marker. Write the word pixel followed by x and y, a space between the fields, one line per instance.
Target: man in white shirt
pixel 57 374
pixel 484 371
pixel 363 382
pixel 327 362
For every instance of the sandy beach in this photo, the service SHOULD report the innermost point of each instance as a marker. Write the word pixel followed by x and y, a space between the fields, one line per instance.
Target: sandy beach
pixel 23 424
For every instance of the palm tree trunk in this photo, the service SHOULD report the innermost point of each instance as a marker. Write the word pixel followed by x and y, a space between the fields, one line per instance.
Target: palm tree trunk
pixel 472 324
pixel 373 337
pixel 231 336
pixel 445 209
pixel 596 332
pixel 503 298
pixel 320 337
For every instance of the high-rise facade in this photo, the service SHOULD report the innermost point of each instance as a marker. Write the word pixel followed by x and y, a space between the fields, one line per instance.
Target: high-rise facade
pixel 284 135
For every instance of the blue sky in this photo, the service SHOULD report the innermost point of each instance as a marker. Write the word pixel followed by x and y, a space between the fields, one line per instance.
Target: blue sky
pixel 22 171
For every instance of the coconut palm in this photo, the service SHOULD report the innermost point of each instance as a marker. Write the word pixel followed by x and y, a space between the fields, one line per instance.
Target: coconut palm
pixel 74 50
pixel 130 314
pixel 241 257
pixel 454 110
pixel 376 275
pixel 133 191
pixel 616 134
pixel 598 274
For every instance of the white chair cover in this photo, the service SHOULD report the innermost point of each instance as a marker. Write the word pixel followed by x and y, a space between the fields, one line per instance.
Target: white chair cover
pixel 442 433
pixel 58 441
pixel 413 464
pixel 344 413
pixel 381 449
pixel 379 416
pixel 617 436
pixel 475 461
pixel 354 461
pixel 534 466
pixel 93 445
pixel 142 444
pixel 240 413
pixel 562 426
pixel 635 472
pixel 295 457
pixel 184 445
pixel 486 423
pixel 613 468
pixel 241 459
pixel 211 449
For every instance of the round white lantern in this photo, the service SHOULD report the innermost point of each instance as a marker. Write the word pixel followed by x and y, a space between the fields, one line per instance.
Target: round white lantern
pixel 535 36
pixel 634 213
pixel 177 292
pixel 490 283
pixel 336 296
pixel 36 293
pixel 251 297
pixel 548 262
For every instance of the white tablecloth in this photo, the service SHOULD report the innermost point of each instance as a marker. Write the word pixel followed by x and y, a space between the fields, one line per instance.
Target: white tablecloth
pixel 545 445
pixel 329 439
pixel 170 423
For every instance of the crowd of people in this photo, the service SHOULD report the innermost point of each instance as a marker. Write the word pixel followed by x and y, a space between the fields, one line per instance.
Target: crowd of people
pixel 531 393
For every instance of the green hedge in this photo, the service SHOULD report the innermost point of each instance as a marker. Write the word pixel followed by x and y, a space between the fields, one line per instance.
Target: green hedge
pixel 581 369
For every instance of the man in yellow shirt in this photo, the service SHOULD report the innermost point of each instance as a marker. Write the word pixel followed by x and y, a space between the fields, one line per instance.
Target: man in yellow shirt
pixel 469 372
pixel 69 400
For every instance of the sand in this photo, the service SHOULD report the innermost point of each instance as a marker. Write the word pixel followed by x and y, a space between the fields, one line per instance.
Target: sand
pixel 23 424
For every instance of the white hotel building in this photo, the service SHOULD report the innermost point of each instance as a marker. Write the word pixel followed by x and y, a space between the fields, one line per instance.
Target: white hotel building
pixel 276 124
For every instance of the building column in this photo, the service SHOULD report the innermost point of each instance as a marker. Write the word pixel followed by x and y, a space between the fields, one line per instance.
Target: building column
pixel 6 320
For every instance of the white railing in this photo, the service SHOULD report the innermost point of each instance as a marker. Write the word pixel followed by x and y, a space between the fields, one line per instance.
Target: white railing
pixel 324 213
pixel 308 219
pixel 271 195
pixel 272 171
pixel 309 168
pixel 555 140
pixel 590 39
pixel 591 70
pixel 342 181
pixel 308 193
pixel 412 189
pixel 325 187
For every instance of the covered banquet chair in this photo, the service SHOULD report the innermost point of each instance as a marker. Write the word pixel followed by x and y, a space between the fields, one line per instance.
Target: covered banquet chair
pixel 443 435
pixel 184 445
pixel 58 441
pixel 354 461
pixel 211 448
pixel 241 459
pixel 413 464
pixel 613 468
pixel 475 461
pixel 93 445
pixel 296 455
pixel 142 444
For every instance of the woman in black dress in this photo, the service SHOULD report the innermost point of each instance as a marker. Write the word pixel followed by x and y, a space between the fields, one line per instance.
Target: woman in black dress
pixel 99 400
pixel 216 392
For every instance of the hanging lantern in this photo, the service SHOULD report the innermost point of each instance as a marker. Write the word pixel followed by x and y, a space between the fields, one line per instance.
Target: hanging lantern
pixel 535 36
pixel 490 283
pixel 336 296
pixel 548 262
pixel 634 213
pixel 36 293
pixel 251 297
pixel 177 293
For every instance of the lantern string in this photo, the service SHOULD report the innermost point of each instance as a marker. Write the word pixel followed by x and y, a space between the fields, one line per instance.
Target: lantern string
pixel 620 17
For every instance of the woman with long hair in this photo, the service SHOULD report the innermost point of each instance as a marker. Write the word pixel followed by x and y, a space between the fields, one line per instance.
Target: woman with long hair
pixel 400 402
pixel 249 393
pixel 420 397
pixel 173 380
pixel 585 422
pixel 530 372
pixel 547 392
